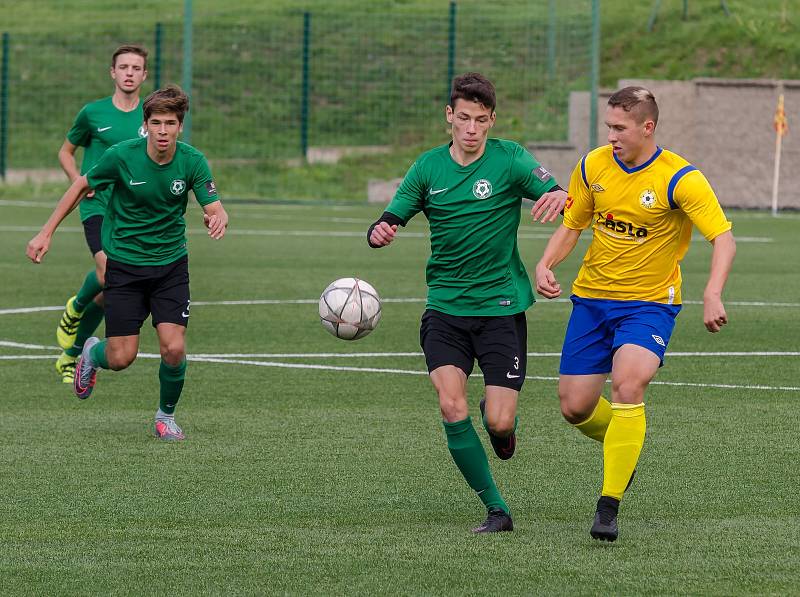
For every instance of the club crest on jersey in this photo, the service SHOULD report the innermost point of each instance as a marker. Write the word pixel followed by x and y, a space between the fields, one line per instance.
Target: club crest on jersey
pixel 648 198
pixel 482 189
pixel 177 187
pixel 142 131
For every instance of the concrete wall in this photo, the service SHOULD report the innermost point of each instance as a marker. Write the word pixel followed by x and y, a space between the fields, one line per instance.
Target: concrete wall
pixel 722 126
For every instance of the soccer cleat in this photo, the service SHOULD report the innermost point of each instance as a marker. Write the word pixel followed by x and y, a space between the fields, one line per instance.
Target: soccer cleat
pixel 68 326
pixel 168 430
pixel 85 371
pixel 503 446
pixel 497 521
pixel 604 527
pixel 65 365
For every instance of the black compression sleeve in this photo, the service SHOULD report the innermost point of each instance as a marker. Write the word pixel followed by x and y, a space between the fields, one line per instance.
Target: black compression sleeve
pixel 387 217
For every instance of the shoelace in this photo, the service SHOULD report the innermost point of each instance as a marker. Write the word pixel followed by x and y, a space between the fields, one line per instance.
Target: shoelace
pixel 85 372
pixel 68 369
pixel 69 323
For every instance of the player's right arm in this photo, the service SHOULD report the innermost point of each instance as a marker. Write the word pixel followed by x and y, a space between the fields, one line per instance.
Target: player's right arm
pixel 40 244
pixel 78 136
pixel 577 215
pixel 558 248
pixel 66 157
pixel 407 201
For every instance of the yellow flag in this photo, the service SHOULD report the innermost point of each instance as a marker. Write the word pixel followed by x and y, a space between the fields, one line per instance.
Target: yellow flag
pixel 780 123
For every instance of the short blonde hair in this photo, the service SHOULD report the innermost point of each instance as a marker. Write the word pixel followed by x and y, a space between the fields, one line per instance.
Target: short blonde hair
pixel 638 100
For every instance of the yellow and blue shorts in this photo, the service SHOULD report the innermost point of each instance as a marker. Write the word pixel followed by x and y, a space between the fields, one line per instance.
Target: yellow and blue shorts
pixel 598 327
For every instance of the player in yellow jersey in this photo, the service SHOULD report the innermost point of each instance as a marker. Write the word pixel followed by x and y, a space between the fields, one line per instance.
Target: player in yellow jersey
pixel 641 202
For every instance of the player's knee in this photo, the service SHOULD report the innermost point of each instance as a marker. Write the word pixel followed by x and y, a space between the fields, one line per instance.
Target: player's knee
pixel 453 406
pixel 119 360
pixel 173 353
pixel 502 427
pixel 628 392
pixel 572 411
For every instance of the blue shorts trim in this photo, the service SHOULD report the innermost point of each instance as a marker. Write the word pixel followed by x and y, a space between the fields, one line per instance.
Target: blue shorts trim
pixel 598 327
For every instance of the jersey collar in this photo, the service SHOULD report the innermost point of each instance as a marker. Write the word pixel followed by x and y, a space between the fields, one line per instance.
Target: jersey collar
pixel 640 167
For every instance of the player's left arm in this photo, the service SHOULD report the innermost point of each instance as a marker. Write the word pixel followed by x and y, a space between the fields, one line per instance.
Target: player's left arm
pixel 694 195
pixel 714 315
pixel 536 182
pixel 215 218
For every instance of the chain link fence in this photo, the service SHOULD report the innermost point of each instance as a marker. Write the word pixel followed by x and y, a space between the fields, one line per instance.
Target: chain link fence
pixel 278 86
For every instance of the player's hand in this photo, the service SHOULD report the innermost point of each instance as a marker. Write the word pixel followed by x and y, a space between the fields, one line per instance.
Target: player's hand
pixel 549 205
pixel 546 283
pixel 382 234
pixel 714 316
pixel 38 247
pixel 217 224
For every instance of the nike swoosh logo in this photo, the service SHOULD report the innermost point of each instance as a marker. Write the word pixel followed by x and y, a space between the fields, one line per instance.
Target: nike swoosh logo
pixel 509 376
pixel 437 191
pixel 133 184
pixel 184 314
pixel 105 128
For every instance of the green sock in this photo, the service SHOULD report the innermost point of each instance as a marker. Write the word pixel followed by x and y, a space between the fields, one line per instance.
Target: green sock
pixel 470 458
pixel 98 354
pixel 171 379
pixel 92 316
pixel 90 289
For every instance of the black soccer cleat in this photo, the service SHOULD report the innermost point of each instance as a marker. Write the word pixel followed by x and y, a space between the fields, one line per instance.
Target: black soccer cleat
pixel 604 527
pixel 497 521
pixel 503 446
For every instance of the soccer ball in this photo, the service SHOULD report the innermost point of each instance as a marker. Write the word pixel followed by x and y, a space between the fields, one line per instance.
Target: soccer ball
pixel 349 308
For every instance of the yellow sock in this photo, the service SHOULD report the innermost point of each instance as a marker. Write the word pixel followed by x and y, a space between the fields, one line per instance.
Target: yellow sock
pixel 622 446
pixel 597 423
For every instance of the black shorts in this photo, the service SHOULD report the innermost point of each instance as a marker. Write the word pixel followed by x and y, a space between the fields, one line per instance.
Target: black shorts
pixel 92 227
pixel 499 343
pixel 133 292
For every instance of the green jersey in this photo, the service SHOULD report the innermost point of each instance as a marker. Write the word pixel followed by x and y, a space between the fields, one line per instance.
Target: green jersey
pixel 144 222
pixel 474 213
pixel 98 126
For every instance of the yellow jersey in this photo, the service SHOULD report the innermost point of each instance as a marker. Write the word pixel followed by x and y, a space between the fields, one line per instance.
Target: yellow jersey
pixel 641 221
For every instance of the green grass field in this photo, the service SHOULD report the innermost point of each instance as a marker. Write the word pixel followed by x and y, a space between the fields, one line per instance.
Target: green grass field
pixel 317 466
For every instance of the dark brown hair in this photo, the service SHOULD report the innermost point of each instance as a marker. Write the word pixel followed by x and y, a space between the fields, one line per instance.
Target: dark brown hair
pixel 638 100
pixel 473 87
pixel 129 49
pixel 169 99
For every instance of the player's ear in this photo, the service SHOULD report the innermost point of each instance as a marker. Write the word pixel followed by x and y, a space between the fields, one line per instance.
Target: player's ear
pixel 649 128
pixel 448 113
pixel 492 119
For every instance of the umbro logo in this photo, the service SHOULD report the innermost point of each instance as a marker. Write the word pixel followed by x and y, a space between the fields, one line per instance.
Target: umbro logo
pixel 597 188
pixel 659 340
pixel 102 129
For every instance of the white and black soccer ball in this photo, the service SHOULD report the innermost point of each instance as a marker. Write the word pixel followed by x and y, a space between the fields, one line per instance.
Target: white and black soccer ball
pixel 349 308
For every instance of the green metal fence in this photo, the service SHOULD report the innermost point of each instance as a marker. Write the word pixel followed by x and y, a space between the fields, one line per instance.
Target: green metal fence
pixel 270 85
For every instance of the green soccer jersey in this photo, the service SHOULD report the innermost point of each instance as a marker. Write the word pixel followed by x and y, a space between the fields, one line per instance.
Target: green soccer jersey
pixel 98 126
pixel 474 213
pixel 144 222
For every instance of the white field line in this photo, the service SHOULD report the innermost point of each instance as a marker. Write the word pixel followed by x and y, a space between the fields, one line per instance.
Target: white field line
pixel 362 355
pixel 232 361
pixel 349 233
pixel 21 310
